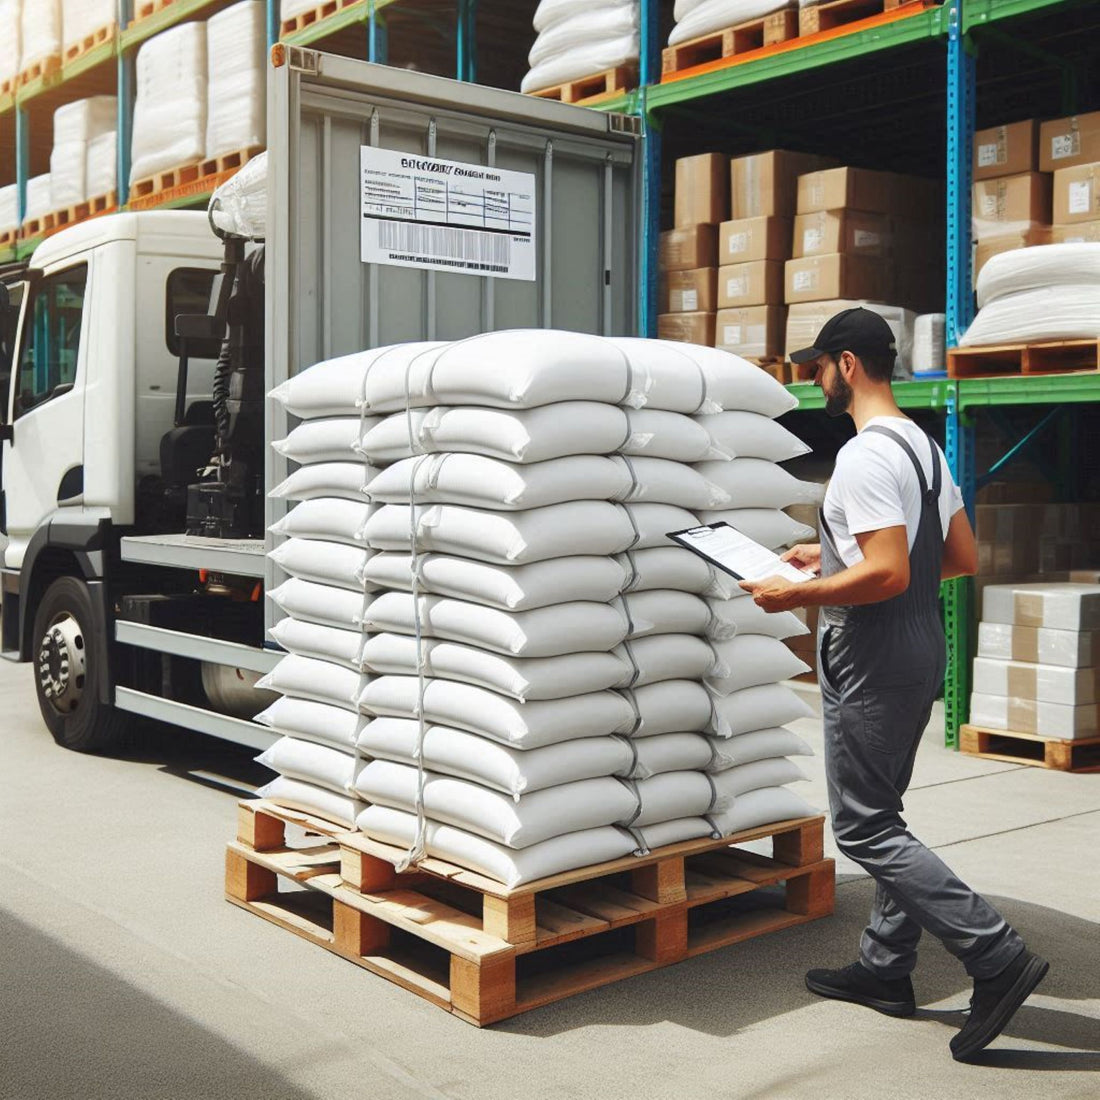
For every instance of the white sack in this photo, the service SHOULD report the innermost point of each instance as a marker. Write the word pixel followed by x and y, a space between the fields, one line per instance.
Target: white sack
pixel 83 120
pixel 329 518
pixel 550 12
pixel 316 680
pixel 236 47
pixel 290 8
pixel 715 15
pixel 511 868
pixel 327 643
pixel 334 439
pixel 41 31
pixel 674 795
pixel 10 50
pixel 1033 316
pixel 671 832
pixel 169 128
pixel 320 603
pixel 80 19
pixel 318 764
pixel 321 722
pixel 768 526
pixel 1048 265
pixel 757 708
pixel 67 174
pixel 736 782
pixel 481 760
pixel 295 794
pixel 746 617
pixel 344 480
pixel 597 22
pixel 731 752
pixel 750 660
pixel 761 807
pixel 330 563
pixel 750 435
pixel 671 752
pixel 101 166
pixel 9 207
pixel 584 60
pixel 239 206
pixel 757 483
pixel 39 199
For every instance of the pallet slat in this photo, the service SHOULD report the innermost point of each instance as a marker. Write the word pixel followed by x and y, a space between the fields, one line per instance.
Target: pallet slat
pixel 839 13
pixel 198 178
pixel 315 15
pixel 1049 357
pixel 1078 755
pixel 744 38
pixel 592 89
pixel 74 51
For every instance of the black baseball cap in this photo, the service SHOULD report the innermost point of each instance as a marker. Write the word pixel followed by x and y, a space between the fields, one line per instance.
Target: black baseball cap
pixel 857 330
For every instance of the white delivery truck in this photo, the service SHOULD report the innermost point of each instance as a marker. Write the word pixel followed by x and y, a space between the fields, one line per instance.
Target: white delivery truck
pixel 136 351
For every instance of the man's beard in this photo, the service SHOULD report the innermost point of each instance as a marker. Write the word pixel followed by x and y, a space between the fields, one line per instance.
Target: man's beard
pixel 838 402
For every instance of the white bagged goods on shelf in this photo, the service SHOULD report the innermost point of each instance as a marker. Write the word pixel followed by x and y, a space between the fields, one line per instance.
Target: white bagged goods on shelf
pixel 67 174
pixel 481 482
pixel 733 783
pixel 333 439
pixel 322 722
pixel 75 126
pixel 929 343
pixel 670 752
pixel 41 31
pixel 327 643
pixel 296 794
pixel 731 752
pixel 550 12
pixel 535 435
pixel 170 109
pixel 38 197
pixel 757 708
pixel 1076 264
pixel 10 42
pixel 101 168
pixel 329 518
pixel 516 823
pixel 597 22
pixel 584 60
pixel 673 795
pixel 556 531
pixel 750 660
pixel 322 562
pixel 1032 316
pixel 236 50
pixel 313 679
pixel 761 807
pixel 514 771
pixel 346 480
pixel 745 617
pixel 512 868
pixel 321 603
pixel 306 760
pixel 85 119
pixel 693 20
pixel 290 8
pixel 757 483
pixel 750 435
pixel 768 526
pixel 80 19
pixel 9 207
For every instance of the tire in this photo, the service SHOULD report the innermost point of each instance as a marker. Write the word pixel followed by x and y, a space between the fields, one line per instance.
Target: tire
pixel 67 652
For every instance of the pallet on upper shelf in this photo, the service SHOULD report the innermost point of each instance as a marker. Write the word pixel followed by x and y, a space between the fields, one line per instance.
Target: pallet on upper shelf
pixel 323 10
pixel 485 952
pixel 143 9
pixel 778 26
pixel 588 90
pixel 1052 357
pixel 197 178
pixel 41 69
pixel 83 211
pixel 8 238
pixel 1080 755
pixel 838 13
pixel 74 51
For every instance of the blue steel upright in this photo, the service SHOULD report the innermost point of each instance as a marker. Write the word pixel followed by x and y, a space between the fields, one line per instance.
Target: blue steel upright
pixel 649 73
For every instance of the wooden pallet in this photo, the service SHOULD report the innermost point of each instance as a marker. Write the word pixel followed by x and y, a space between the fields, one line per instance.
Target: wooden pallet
pixel 1055 357
pixel 8 87
pixel 484 952
pixel 778 26
pixel 594 88
pixel 76 50
pixel 143 9
pixel 839 13
pixel 1081 755
pixel 198 178
pixel 315 15
pixel 84 211
pixel 8 238
pixel 43 68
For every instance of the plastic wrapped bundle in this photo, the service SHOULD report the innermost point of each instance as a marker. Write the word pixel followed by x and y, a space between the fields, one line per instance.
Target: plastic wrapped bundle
pixel 39 198
pixel 239 207
pixel 170 110
pixel 11 12
pixel 579 40
pixel 695 18
pixel 75 125
pixel 101 171
pixel 81 19
pixel 929 344
pixel 236 45
pixel 288 9
pixel 9 208
pixel 41 31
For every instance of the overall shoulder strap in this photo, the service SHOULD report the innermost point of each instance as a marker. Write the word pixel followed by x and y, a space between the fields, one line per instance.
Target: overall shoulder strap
pixel 930 496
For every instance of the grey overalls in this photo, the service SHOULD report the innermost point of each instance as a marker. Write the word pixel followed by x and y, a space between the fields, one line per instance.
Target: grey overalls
pixel 881 668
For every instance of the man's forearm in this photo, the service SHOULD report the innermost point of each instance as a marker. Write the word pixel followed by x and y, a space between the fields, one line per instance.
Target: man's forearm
pixel 862 583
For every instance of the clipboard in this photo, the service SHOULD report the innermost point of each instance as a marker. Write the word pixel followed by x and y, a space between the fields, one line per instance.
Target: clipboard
pixel 742 558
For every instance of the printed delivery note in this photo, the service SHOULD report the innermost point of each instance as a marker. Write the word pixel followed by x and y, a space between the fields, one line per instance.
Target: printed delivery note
pixel 443 215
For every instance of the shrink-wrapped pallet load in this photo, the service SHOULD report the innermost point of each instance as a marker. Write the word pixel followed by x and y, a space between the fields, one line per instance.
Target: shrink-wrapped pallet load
pixel 101 170
pixel 236 50
pixel 38 198
pixel 580 39
pixel 81 19
pixel 11 18
pixel 9 208
pixel 505 659
pixel 75 126
pixel 288 9
pixel 170 109
pixel 41 32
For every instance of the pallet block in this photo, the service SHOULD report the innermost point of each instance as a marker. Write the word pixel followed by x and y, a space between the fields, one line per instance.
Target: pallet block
pixel 1054 357
pixel 592 89
pixel 734 41
pixel 43 68
pixel 485 952
pixel 143 9
pixel 74 51
pixel 8 238
pixel 1079 755
pixel 198 178
pixel 839 13
pixel 315 15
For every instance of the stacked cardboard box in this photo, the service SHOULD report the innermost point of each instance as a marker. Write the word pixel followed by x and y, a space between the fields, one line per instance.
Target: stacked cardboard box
pixel 1018 540
pixel 1012 198
pixel 1070 148
pixel 1038 664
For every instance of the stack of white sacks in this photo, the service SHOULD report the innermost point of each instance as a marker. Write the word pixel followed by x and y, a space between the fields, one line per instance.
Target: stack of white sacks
pixel 579 38
pixel 40 27
pixel 82 18
pixel 82 164
pixel 495 651
pixel 236 50
pixel 11 40
pixel 695 18
pixel 288 9
pixel 9 208
pixel 39 198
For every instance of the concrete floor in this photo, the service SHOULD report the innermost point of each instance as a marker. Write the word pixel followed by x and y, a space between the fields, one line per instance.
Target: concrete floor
pixel 124 973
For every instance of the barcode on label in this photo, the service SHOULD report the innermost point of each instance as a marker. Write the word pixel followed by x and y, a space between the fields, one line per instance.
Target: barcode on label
pixel 812 240
pixel 690 300
pixel 467 249
pixel 988 155
pixel 805 280
pixel 1065 145
pixel 737 288
pixel 732 334
pixel 739 242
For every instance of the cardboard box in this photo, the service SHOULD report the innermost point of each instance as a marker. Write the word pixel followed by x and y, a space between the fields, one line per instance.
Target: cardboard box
pixel 749 239
pixel 1010 204
pixel 818 278
pixel 693 291
pixel 1063 648
pixel 1028 716
pixel 759 283
pixel 853 232
pixel 1076 233
pixel 870 191
pixel 1006 150
pixel 766 184
pixel 1008 538
pixel 754 332
pixel 1054 606
pixel 688 328
pixel 702 189
pixel 1008 242
pixel 1044 683
pixel 1067 142
pixel 1077 194
pixel 688 247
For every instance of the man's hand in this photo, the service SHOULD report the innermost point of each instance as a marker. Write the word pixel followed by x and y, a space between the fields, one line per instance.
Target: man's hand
pixel 804 556
pixel 774 594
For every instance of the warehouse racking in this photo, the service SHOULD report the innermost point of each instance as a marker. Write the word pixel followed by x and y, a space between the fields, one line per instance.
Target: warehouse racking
pixel 901 90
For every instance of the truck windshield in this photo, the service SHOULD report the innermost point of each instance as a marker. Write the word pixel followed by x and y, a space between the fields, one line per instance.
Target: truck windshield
pixel 51 338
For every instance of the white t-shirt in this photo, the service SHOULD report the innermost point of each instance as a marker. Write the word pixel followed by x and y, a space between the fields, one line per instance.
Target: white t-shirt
pixel 874 486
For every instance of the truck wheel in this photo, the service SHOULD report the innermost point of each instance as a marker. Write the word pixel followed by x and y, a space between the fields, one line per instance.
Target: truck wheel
pixel 66 655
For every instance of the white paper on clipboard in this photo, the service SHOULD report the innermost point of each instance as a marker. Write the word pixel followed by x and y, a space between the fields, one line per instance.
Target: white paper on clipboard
pixel 737 554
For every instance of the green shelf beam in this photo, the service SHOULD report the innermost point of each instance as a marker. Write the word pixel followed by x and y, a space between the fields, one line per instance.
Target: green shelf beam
pixel 101 55
pixel 1049 389
pixel 978 13
pixel 919 394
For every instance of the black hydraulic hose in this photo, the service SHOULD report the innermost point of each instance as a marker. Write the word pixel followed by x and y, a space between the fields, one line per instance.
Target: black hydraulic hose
pixel 222 374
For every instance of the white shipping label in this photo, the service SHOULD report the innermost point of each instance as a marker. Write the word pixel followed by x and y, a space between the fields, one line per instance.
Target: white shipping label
pixel 805 280
pixel 444 215
pixel 731 334
pixel 867 238
pixel 1065 145
pixel 689 300
pixel 812 240
pixel 987 155
pixel 989 206
pixel 1080 197
pixel 739 242
pixel 737 288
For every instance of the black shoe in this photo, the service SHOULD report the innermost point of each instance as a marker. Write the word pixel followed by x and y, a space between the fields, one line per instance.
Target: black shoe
pixel 994 1002
pixel 857 984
